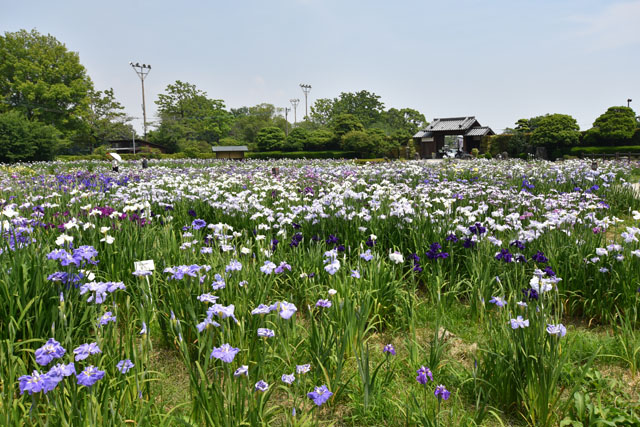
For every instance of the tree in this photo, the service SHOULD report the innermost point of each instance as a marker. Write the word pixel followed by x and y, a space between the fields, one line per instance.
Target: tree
pixel 405 121
pixel 345 123
pixel 320 139
pixel 616 124
pixel 364 105
pixel 249 120
pixel 42 80
pixel 297 140
pixel 103 120
pixel 189 113
pixel 270 139
pixel 358 141
pixel 322 111
pixel 24 140
pixel 555 129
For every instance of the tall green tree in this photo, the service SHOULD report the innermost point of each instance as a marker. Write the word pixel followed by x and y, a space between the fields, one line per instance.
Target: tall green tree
pixel 406 121
pixel 248 121
pixel 297 139
pixel 555 129
pixel 24 140
pixel 345 123
pixel 365 106
pixel 103 119
pixel 322 112
pixel 270 138
pixel 42 80
pixel 617 124
pixel 320 139
pixel 190 115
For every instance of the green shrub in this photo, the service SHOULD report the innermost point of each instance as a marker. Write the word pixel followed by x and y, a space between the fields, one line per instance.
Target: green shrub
pixel 576 151
pixel 302 155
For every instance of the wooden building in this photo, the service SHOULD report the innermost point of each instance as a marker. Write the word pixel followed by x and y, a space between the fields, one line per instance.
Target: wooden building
pixel 235 152
pixel 131 146
pixel 430 140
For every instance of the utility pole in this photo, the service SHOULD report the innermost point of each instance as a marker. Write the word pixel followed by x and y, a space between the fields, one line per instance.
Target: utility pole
pixel 142 71
pixel 286 122
pixel 306 89
pixel 294 102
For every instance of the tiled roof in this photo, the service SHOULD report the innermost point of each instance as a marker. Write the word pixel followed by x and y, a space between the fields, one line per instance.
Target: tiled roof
pixel 229 148
pixel 452 124
pixel 423 134
pixel 479 131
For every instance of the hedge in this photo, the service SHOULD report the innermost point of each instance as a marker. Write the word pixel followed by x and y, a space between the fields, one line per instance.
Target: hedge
pixel 249 155
pixel 302 155
pixel 576 151
pixel 66 158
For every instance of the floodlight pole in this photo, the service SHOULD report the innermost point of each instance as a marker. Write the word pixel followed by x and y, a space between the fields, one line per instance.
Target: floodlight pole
pixel 142 71
pixel 286 121
pixel 294 102
pixel 306 89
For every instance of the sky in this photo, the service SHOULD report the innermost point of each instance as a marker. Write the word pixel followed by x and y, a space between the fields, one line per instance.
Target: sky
pixel 497 60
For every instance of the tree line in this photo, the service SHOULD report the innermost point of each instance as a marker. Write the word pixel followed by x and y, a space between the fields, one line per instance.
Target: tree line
pixel 49 106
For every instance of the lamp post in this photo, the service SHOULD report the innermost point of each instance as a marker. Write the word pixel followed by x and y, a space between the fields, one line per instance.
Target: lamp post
pixel 286 121
pixel 306 89
pixel 294 102
pixel 142 71
pixel 629 102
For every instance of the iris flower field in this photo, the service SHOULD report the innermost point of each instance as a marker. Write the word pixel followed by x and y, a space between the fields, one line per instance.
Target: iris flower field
pixel 323 292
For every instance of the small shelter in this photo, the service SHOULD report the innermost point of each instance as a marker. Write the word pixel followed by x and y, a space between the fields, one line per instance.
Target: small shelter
pixel 430 141
pixel 235 152
pixel 134 146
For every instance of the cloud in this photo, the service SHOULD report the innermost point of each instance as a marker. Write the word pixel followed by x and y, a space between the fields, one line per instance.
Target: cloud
pixel 618 25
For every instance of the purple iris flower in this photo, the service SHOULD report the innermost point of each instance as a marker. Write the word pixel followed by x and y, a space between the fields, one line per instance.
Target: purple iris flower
pixel 500 302
pixel 197 224
pixel 332 240
pixel 451 238
pixel 441 392
pixel 124 365
pixel 85 350
pixel 51 350
pixel 90 376
pixel 323 303
pixel 389 349
pixel 287 310
pixel 225 352
pixel 518 244
pixel 242 370
pixel 34 383
pixel 424 375
pixel 288 379
pixel 477 229
pixel 261 386
pixel 504 255
pixel 530 293
pixel 539 257
pixel 266 333
pixel 320 395
pixel 106 318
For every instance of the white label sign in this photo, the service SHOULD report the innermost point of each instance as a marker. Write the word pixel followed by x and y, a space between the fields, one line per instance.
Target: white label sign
pixel 147 265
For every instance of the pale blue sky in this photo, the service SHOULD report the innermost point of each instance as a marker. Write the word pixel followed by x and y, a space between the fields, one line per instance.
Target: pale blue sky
pixel 497 60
